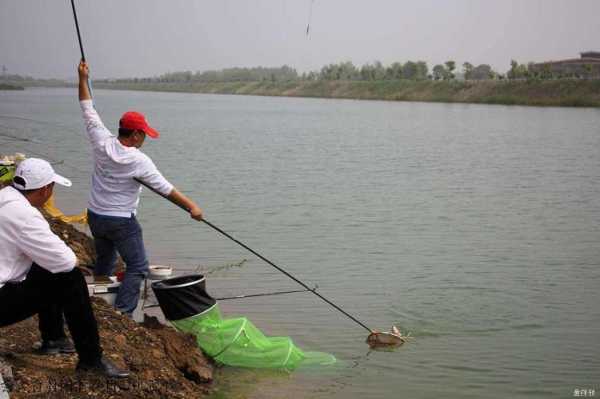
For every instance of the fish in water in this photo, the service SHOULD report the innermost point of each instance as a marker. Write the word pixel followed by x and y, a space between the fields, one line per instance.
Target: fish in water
pixel 386 339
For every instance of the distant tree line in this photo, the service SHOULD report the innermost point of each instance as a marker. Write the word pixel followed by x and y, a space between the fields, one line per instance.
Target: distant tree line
pixel 11 81
pixel 347 71
pixel 15 78
pixel 376 71
pixel 479 72
pixel 544 71
pixel 276 74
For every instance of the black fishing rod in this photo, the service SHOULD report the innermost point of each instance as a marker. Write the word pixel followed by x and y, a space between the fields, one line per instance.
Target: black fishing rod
pixel 243 296
pixel 89 84
pixel 77 27
pixel 307 288
pixel 218 229
pixel 309 17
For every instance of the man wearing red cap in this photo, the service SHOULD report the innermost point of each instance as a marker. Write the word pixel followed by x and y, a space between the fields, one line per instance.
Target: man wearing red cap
pixel 115 193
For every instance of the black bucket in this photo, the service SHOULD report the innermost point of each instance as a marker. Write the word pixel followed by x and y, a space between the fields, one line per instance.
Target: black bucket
pixel 182 297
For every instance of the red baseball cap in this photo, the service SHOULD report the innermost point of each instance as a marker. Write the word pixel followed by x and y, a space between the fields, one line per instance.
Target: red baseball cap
pixel 136 121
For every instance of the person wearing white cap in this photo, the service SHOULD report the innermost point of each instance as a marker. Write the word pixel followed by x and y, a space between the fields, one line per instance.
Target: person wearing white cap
pixel 38 273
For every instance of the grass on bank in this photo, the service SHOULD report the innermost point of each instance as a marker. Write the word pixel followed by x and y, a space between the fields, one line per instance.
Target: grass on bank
pixel 7 86
pixel 559 92
pixel 571 93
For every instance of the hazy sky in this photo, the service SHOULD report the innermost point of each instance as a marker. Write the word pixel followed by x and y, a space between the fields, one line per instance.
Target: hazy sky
pixel 127 38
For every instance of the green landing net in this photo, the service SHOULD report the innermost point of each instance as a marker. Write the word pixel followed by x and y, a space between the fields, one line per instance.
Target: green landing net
pixel 238 342
pixel 233 342
pixel 7 172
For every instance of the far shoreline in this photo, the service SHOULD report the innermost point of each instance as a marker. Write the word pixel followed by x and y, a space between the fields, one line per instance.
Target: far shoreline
pixel 532 92
pixel 7 86
pixel 548 93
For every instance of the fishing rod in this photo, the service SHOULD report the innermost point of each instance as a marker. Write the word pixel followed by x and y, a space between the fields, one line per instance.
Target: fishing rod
pixel 309 17
pixel 89 84
pixel 243 296
pixel 263 258
pixel 77 27
pixel 262 294
pixel 373 333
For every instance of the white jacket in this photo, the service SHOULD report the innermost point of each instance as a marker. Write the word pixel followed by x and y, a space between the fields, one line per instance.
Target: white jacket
pixel 114 192
pixel 25 237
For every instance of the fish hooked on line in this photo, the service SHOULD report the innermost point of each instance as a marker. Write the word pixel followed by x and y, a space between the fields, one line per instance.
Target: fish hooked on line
pixel 378 339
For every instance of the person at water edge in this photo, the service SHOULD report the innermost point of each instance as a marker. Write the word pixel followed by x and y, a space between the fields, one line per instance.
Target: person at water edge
pixel 115 194
pixel 38 273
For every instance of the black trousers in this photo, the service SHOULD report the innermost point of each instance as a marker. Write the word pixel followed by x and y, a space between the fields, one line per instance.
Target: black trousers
pixel 49 295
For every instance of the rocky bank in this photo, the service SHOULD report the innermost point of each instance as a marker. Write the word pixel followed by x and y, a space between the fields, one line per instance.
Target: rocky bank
pixel 163 362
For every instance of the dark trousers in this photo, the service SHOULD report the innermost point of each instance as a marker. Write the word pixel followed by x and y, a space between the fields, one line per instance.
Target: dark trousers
pixel 49 295
pixel 112 234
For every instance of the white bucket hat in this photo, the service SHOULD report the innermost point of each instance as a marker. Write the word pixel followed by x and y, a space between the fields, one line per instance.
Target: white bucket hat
pixel 34 173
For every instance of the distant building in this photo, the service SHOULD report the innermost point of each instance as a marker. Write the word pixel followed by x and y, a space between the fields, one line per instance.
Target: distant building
pixel 590 54
pixel 587 66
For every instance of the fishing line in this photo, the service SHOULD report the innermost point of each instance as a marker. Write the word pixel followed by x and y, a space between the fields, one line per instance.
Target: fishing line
pixel 34 141
pixel 19 141
pixel 310 9
pixel 53 124
pixel 51 160
pixel 16 138
pixel 28 150
pixel 37 121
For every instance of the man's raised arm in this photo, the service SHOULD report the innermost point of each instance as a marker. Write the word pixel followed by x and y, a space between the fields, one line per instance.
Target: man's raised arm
pixel 93 124
pixel 84 74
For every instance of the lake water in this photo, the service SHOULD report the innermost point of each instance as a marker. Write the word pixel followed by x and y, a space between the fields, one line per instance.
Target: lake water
pixel 474 227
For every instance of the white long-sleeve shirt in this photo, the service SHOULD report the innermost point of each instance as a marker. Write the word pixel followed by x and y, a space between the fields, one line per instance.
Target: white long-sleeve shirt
pixel 114 190
pixel 25 237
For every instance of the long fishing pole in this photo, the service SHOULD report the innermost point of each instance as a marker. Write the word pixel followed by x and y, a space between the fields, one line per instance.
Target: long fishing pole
pixel 218 229
pixel 244 296
pixel 309 17
pixel 80 43
pixel 263 258
pixel 372 333
pixel 77 27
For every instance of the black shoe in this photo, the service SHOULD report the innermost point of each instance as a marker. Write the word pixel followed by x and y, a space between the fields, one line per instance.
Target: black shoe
pixel 53 347
pixel 103 366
